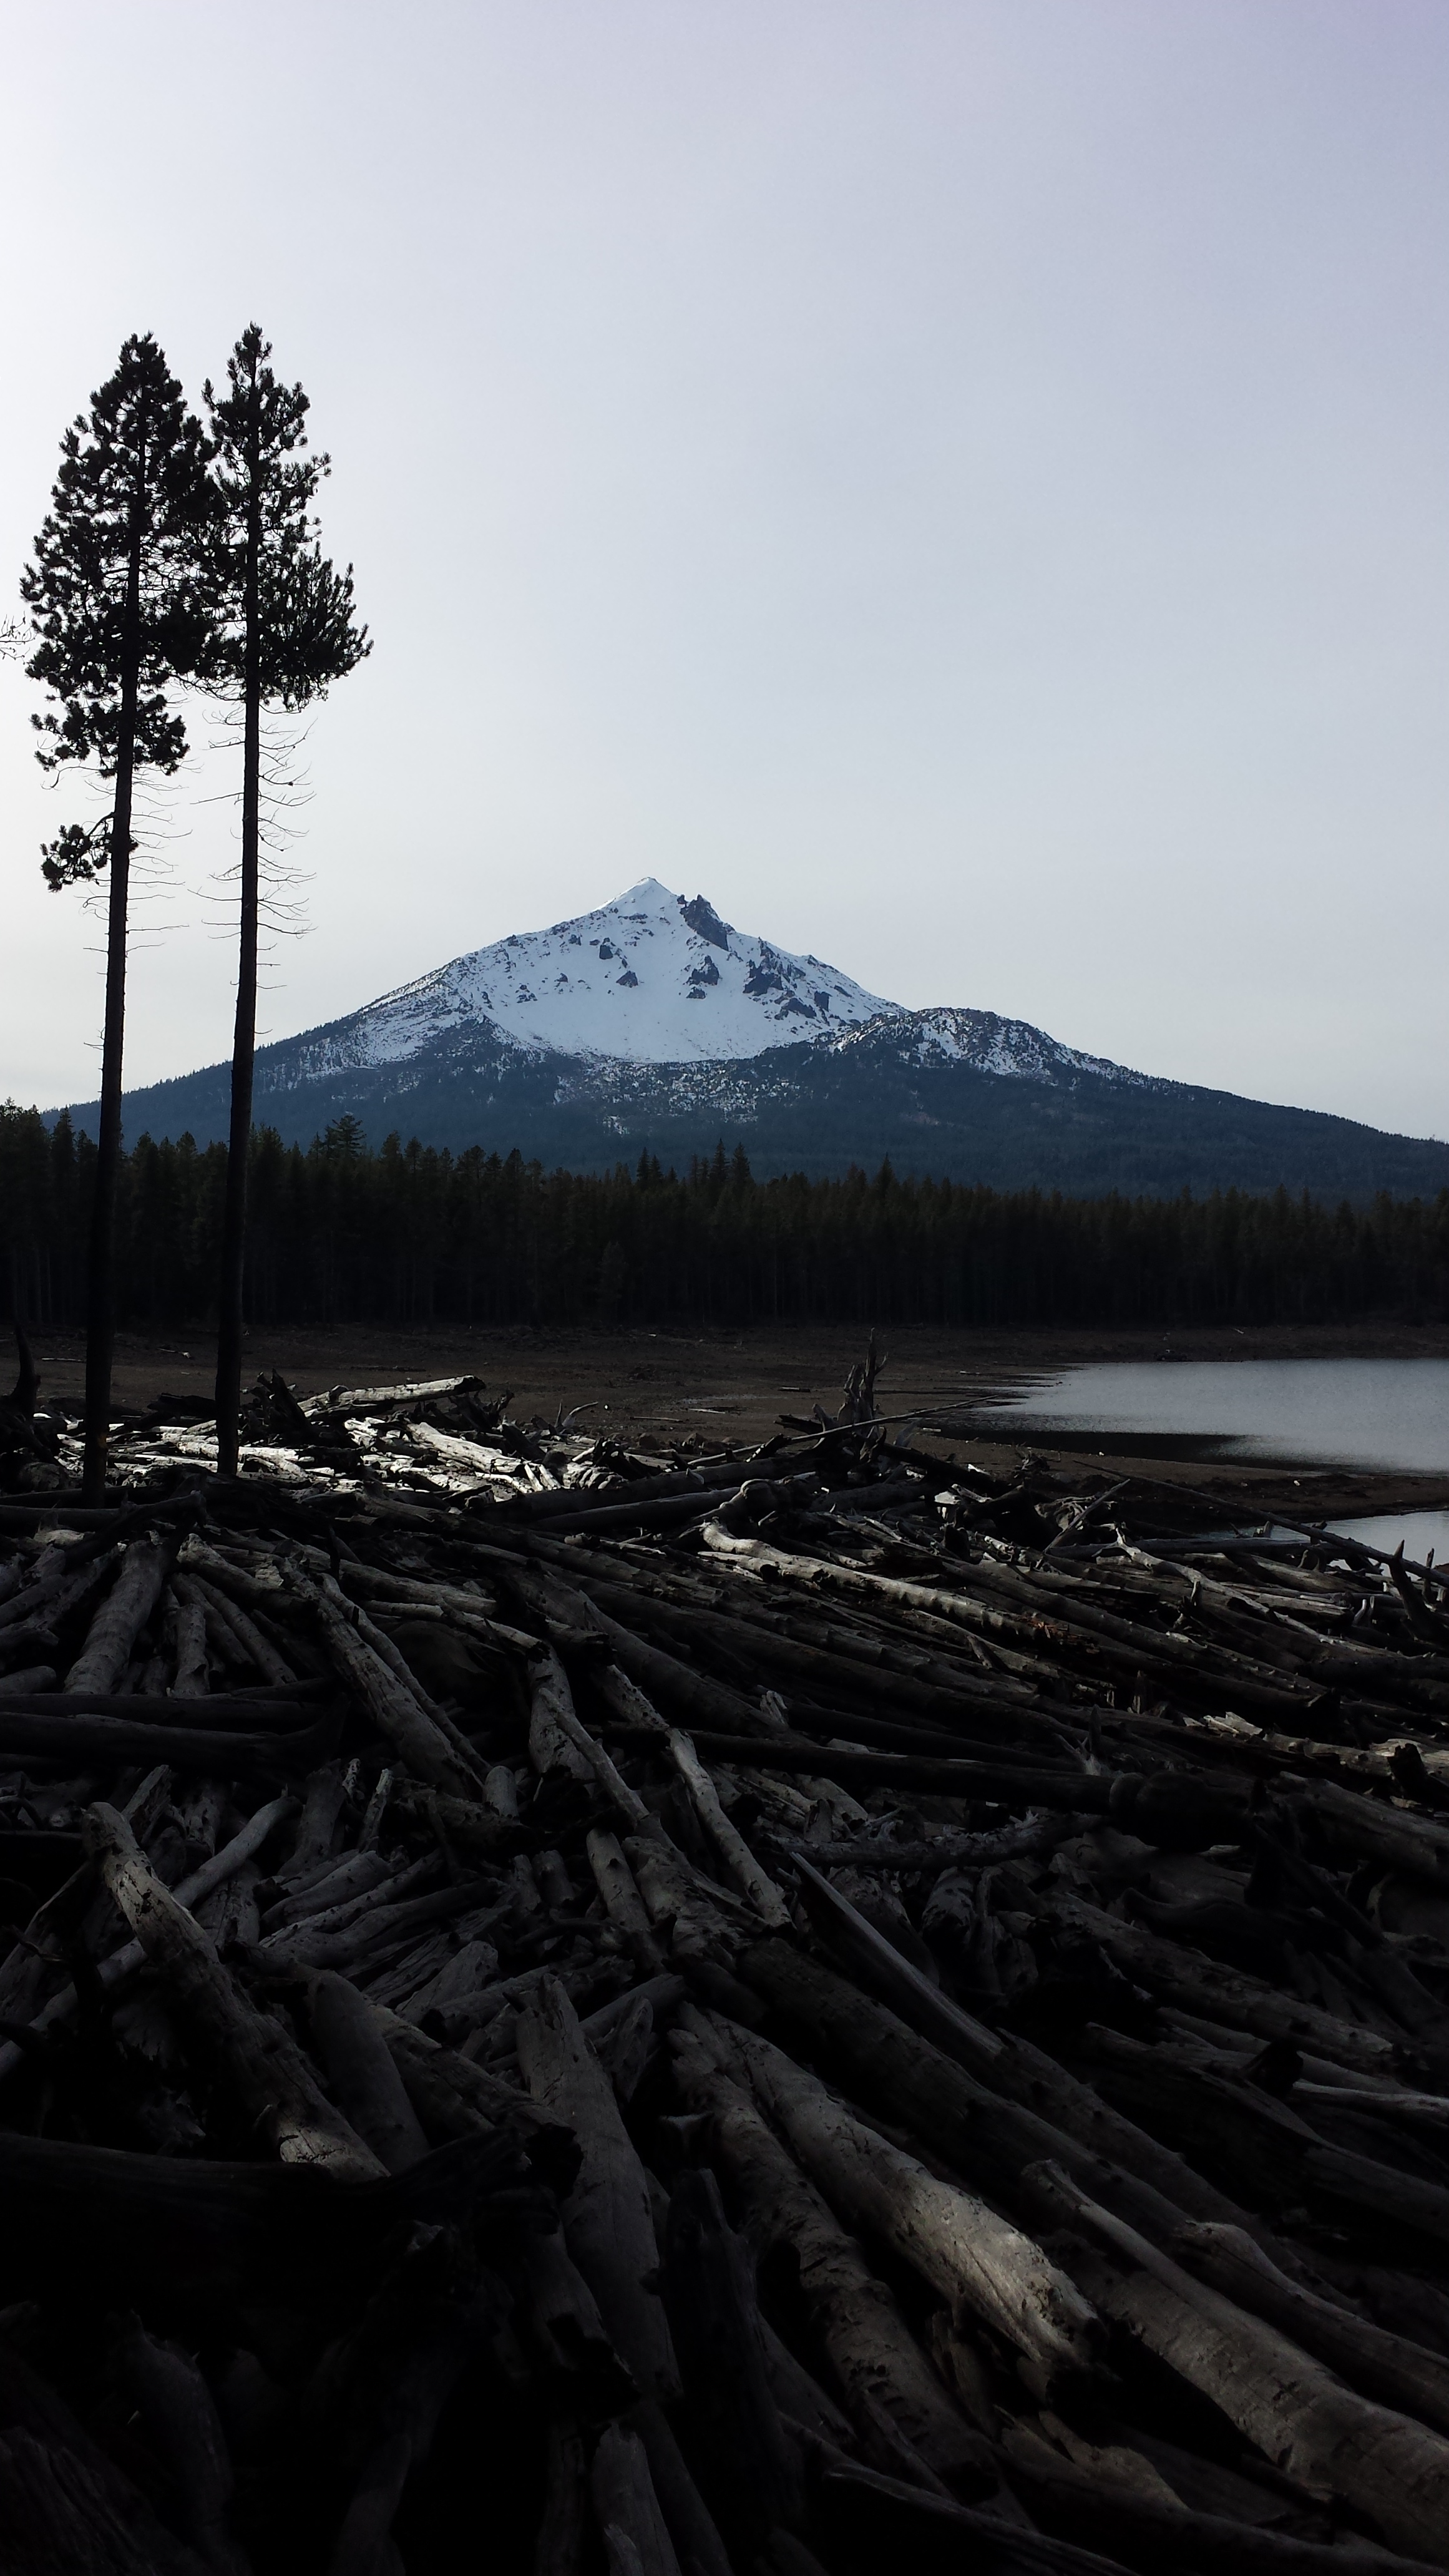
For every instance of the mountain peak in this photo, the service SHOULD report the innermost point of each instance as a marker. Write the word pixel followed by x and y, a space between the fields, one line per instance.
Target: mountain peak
pixel 644 889
pixel 651 977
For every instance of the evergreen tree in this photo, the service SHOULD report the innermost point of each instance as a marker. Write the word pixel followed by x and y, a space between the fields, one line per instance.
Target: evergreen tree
pixel 287 631
pixel 406 1235
pixel 114 599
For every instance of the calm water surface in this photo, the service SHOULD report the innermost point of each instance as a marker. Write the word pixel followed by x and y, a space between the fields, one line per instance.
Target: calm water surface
pixel 1358 1413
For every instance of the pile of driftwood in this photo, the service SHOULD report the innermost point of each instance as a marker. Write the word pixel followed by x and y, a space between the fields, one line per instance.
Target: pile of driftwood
pixel 569 2008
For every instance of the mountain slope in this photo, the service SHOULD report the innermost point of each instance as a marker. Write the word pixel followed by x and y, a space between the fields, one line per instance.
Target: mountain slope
pixel 651 1025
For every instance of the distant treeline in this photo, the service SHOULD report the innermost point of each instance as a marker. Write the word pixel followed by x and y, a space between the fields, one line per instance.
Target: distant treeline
pixel 410 1236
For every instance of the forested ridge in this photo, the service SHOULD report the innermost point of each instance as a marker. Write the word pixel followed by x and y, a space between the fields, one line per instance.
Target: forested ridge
pixel 409 1235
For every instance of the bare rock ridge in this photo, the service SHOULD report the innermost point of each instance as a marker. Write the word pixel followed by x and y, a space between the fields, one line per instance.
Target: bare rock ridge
pixel 653 1025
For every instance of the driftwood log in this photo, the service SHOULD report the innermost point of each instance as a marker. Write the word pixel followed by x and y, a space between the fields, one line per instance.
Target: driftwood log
pixel 792 2013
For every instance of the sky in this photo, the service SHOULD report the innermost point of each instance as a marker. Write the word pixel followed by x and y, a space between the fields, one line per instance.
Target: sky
pixel 961 483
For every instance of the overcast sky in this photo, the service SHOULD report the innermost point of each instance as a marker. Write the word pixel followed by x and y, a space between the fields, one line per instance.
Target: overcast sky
pixel 962 483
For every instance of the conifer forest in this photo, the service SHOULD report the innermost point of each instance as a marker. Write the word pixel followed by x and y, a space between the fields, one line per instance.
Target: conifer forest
pixel 410 1236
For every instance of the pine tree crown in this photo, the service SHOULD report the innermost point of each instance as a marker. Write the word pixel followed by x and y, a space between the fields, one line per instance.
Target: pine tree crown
pixel 114 588
pixel 121 540
pixel 299 624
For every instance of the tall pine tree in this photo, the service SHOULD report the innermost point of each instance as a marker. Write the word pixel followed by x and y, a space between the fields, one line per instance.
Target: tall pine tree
pixel 115 604
pixel 286 632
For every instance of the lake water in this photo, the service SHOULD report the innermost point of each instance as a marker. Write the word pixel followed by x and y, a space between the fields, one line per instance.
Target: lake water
pixel 1356 1413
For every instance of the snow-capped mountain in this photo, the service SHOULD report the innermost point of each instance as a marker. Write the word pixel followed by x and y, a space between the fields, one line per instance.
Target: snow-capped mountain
pixel 651 978
pixel 653 1027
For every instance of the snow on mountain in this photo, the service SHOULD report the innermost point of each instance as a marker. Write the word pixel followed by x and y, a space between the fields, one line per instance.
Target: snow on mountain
pixel 650 978
pixel 1011 1048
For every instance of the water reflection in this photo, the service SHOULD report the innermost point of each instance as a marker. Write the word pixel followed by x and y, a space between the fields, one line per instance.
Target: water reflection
pixel 1359 1413
pixel 1420 1532
pixel 1348 1413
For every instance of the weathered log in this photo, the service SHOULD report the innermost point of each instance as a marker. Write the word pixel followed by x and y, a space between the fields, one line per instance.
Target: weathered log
pixel 188 1640
pixel 500 1793
pixel 678 1902
pixel 623 1902
pixel 553 1745
pixel 848 1665
pixel 254 2052
pixel 422 1745
pixel 113 1971
pixel 364 1926
pixel 1035 1835
pixel 693 1698
pixel 608 2222
pixel 624 2500
pixel 261 1589
pixel 53 1595
pixel 709 2287
pixel 458 2100
pixel 407 1591
pixel 692 2526
pixel 360 2069
pixel 35 1968
pixel 121 1616
pixel 1400 2374
pixel 561 1715
pixel 797 2394
pixel 975 2259
pixel 615 1520
pixel 64 2503
pixel 625 1701
pixel 324 1799
pixel 981 2133
pixel 118 1743
pixel 952 1776
pixel 560 2313
pixel 543 1509
pixel 735 1852
pixel 865 2507
pixel 338 1883
pixel 866 2339
pixel 28 1681
pixel 1356 1828
pixel 630 2049
pixel 1153 2532
pixel 1164 1653
pixel 19 1647
pixel 226 1619
pixel 1272 2155
pixel 1122 1645
pixel 1303 2418
pixel 663 1994
pixel 1202 1985
pixel 1008 2063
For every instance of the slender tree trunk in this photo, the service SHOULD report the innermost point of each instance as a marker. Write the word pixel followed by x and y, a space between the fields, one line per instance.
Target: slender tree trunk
pixel 101 1273
pixel 234 1233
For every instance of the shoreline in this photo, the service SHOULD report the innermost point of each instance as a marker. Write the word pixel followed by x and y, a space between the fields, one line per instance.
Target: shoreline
pixel 717 1385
